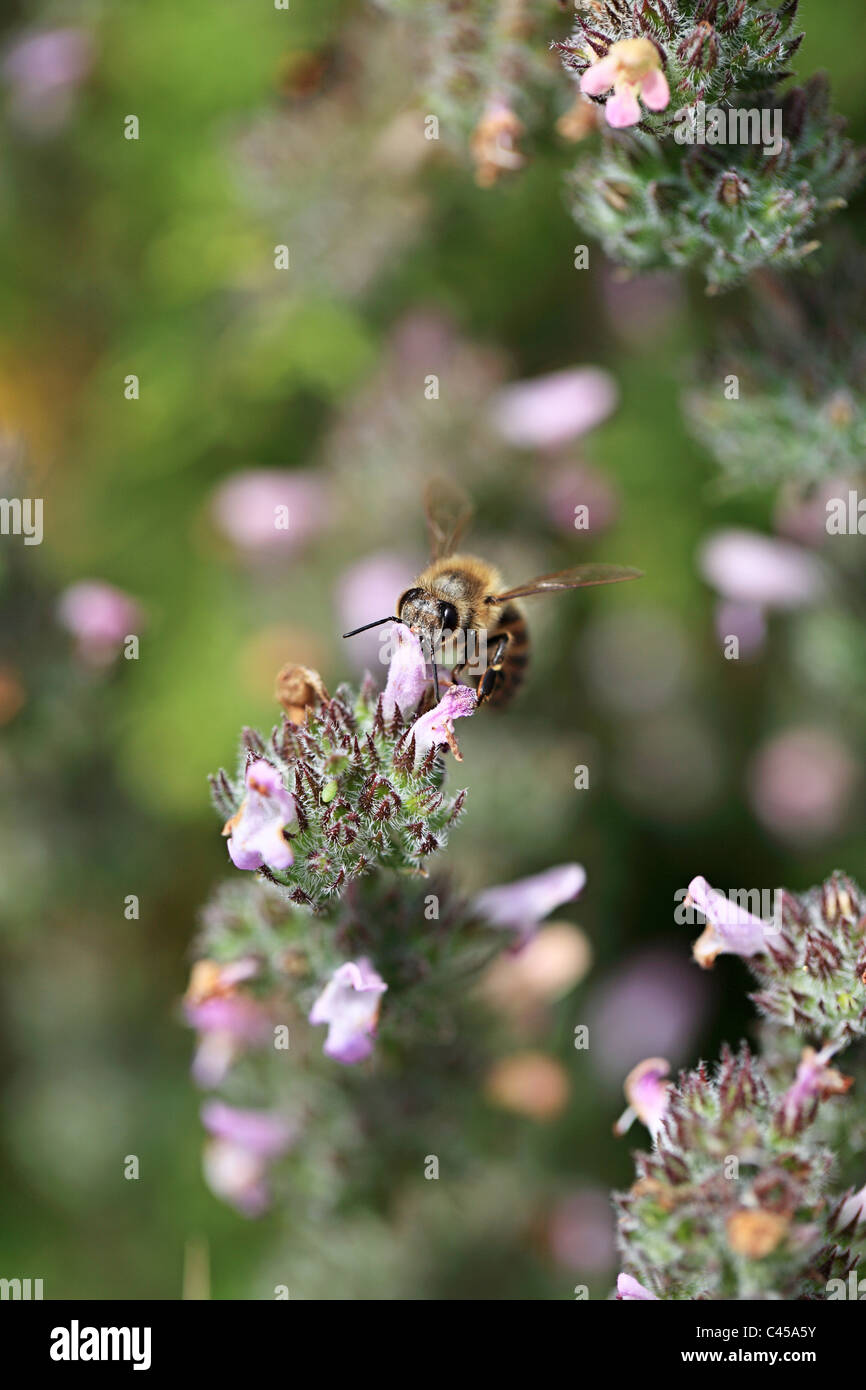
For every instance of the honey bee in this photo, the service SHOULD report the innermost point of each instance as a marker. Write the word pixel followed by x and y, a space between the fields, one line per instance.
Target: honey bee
pixel 464 595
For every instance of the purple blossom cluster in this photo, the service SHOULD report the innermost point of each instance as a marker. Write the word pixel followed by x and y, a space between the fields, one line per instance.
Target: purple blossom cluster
pixel 274 958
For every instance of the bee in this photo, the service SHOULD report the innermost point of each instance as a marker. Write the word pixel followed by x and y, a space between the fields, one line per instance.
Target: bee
pixel 463 594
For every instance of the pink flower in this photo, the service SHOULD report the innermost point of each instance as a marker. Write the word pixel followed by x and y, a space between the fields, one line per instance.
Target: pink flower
pixel 407 674
pixel 44 71
pixel 800 783
pixel 815 1081
pixel 746 567
pixel 349 1004
pixel 853 1209
pixel 269 509
pixel 730 929
pixel 633 68
pixel 745 621
pixel 437 726
pixel 521 905
pixel 100 619
pixel 569 489
pixel 258 1131
pixel 256 831
pixel 647 1093
pixel 237 1158
pixel 802 515
pixel 652 1003
pixel 226 1026
pixel 629 1290
pixel 226 1020
pixel 549 411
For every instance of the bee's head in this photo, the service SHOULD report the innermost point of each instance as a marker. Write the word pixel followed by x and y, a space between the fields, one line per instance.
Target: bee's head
pixel 426 615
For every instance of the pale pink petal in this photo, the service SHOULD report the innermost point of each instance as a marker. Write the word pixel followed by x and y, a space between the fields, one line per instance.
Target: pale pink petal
pixel 599 78
pixel 854 1209
pixel 623 108
pixel 730 929
pixel 256 832
pixel 752 568
pixel 654 90
pixel 520 906
pixel 628 1290
pixel 546 412
pixel 349 1005
pixel 437 725
pixel 407 674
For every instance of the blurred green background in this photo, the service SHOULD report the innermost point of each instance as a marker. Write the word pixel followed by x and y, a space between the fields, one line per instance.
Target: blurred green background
pixel 155 257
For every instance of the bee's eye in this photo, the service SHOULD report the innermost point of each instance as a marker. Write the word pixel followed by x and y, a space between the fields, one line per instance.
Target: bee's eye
pixel 404 598
pixel 450 619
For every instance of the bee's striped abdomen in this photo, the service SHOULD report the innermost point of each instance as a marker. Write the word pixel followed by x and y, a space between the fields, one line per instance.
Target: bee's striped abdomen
pixel 513 624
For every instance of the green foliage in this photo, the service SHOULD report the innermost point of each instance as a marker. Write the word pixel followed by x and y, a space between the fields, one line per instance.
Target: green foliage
pixel 732 1201
pixel 800 359
pixel 359 797
pixel 713 50
pixel 812 977
pixel 680 1217
pixel 723 212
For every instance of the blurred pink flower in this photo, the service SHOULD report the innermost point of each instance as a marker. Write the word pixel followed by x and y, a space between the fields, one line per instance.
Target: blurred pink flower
pixel 654 1002
pixel 226 1025
pixel 549 411
pixel 520 906
pixel 44 71
pixel 800 783
pixel 100 618
pixel 270 509
pixel 349 1004
pixel 237 1158
pixel 803 517
pixel 745 621
pixel 748 567
pixel 259 1131
pixel 369 589
pixel 569 488
pixel 581 1231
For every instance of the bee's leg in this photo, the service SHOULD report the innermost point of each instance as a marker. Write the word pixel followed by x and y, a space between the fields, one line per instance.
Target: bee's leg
pixel 487 682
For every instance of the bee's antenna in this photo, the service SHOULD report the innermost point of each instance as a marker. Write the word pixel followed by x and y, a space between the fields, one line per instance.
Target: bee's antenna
pixel 378 623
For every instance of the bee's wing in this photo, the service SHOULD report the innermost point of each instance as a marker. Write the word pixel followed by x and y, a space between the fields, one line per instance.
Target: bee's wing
pixel 448 511
pixel 576 578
